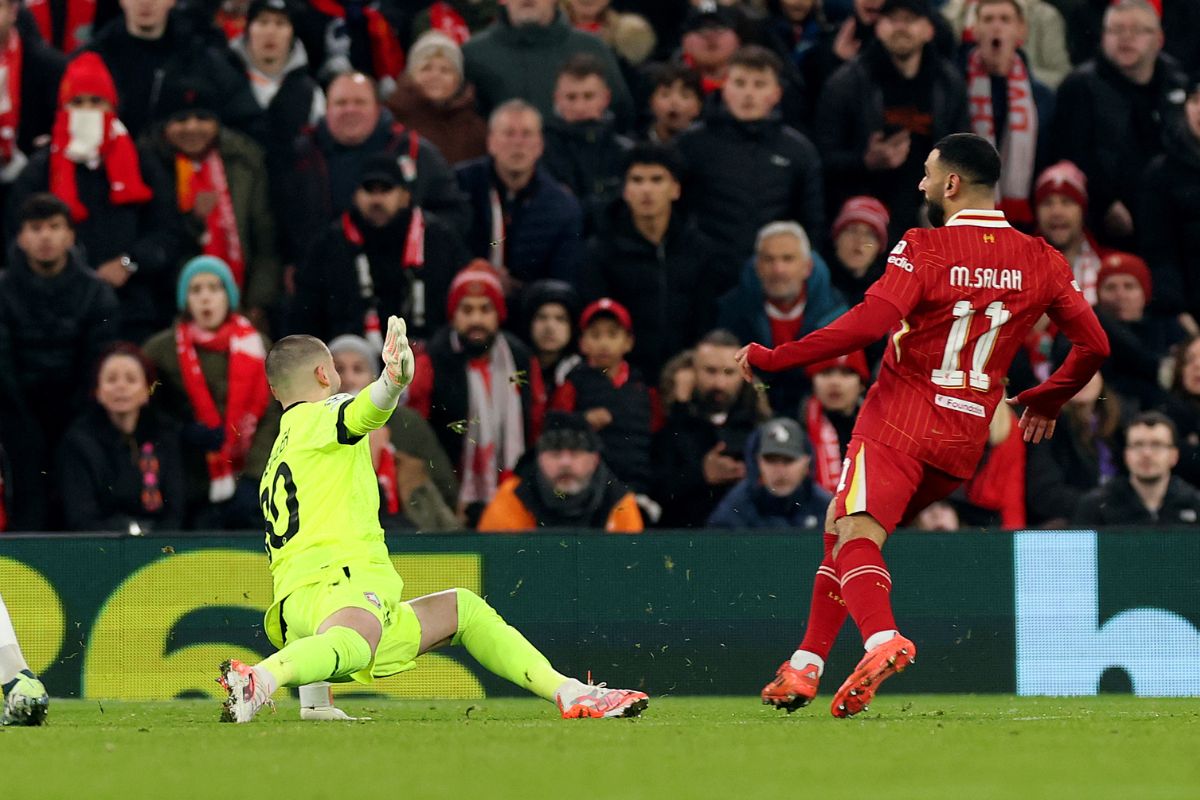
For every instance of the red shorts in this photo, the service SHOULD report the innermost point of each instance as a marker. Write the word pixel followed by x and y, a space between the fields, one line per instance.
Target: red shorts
pixel 890 485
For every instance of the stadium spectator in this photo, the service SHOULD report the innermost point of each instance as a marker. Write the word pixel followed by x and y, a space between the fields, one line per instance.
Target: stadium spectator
pixel 713 33
pixel 118 196
pixel 1042 34
pixel 1140 342
pixel 1180 23
pixel 830 412
pixel 219 181
pixel 525 223
pixel 32 72
pixel 880 112
pixel 276 67
pixel 417 486
pixel 798 31
pixel 329 158
pixel 56 317
pixel 1183 407
pixel 1060 207
pixel 784 294
pixel 699 454
pixel 119 466
pixel 653 259
pixel 941 516
pixel 777 491
pixel 433 97
pixel 149 45
pixel 746 167
pixel 676 99
pixel 583 149
pixel 1081 456
pixel 551 308
pixel 860 248
pixel 628 34
pixel 566 485
pixel 1151 494
pixel 611 395
pixel 1169 203
pixel 518 56
pixel 1108 120
pixel 384 256
pixel 480 388
pixel 351 36
pixel 213 383
pixel 1010 107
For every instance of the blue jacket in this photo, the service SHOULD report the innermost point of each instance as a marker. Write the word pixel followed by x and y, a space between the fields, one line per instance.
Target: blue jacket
pixel 750 505
pixel 741 310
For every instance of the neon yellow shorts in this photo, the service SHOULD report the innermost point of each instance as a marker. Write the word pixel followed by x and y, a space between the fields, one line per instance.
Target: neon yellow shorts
pixel 373 586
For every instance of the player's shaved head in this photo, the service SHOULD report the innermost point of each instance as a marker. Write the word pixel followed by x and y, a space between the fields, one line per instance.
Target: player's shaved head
pixel 292 362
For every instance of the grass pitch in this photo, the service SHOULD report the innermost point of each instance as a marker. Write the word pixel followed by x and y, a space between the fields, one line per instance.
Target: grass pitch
pixel 923 746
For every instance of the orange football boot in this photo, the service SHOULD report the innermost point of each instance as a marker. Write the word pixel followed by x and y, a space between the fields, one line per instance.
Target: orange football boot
pixel 876 666
pixel 792 688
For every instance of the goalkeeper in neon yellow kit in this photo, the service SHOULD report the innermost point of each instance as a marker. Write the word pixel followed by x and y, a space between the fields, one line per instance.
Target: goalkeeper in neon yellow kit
pixel 337 613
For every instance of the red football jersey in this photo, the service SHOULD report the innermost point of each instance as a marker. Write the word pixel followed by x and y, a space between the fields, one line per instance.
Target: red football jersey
pixel 969 292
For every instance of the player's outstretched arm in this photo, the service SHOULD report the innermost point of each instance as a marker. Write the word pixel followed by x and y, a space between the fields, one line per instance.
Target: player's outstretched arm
pixel 865 324
pixel 373 406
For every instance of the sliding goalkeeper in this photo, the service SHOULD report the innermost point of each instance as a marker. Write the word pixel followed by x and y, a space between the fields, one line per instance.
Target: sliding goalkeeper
pixel 337 614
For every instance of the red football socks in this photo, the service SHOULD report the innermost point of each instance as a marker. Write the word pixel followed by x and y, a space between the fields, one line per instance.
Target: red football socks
pixel 827 612
pixel 866 586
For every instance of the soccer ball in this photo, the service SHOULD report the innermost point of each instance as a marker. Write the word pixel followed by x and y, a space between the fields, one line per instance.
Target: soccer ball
pixel 26 703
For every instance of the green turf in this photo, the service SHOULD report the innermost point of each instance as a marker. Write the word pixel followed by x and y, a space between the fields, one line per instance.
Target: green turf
pixel 906 747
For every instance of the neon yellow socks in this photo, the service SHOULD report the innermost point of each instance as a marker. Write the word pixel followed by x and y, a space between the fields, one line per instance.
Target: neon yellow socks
pixel 337 653
pixel 501 648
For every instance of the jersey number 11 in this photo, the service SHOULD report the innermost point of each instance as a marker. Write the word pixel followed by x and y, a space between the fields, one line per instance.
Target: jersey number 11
pixel 951 376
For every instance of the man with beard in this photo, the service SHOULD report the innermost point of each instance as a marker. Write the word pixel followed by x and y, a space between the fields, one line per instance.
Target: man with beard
pixel 1151 495
pixel 1060 202
pixel 698 454
pixel 567 485
pixel 480 388
pixel 881 111
pixel 384 256
pixel 960 301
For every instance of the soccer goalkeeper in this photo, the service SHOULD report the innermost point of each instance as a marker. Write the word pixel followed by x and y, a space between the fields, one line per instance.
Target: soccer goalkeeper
pixel 25 700
pixel 337 613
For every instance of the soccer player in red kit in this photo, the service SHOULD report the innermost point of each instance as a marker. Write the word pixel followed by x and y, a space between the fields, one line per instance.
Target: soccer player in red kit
pixel 958 301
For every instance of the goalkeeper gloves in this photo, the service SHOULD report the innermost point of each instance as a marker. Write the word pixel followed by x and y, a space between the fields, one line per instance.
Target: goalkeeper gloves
pixel 398 363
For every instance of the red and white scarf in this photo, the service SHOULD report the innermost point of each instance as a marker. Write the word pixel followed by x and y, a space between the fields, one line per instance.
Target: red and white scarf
pixel 10 96
pixel 495 436
pixel 81 14
pixel 1086 267
pixel 412 261
pixel 245 401
pixel 1019 148
pixel 827 449
pixel 221 233
pixel 387 57
pixel 116 151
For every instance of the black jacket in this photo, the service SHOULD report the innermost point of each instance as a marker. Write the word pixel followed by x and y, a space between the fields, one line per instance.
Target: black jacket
pixel 323 175
pixel 1185 413
pixel 1138 348
pixel 329 299
pixel 1112 128
pixel 1059 472
pixel 678 455
pixel 140 67
pixel 667 288
pixel 743 175
pixel 449 402
pixel 625 440
pixel 41 71
pixel 589 159
pixel 1116 503
pixel 543 234
pixel 1169 219
pixel 149 233
pixel 852 108
pixel 102 481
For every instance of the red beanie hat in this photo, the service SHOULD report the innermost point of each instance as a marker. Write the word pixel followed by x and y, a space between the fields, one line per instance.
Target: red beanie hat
pixel 856 362
pixel 1062 178
pixel 1118 263
pixel 477 278
pixel 87 74
pixel 866 210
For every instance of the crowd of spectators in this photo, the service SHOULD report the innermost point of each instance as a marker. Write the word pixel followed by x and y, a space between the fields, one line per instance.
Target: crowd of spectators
pixel 583 209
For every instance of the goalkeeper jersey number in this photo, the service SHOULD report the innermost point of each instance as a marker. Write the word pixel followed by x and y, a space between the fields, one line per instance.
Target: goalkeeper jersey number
pixel 319 495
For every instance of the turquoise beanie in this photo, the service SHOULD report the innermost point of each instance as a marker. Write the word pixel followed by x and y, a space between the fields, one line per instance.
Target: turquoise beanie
pixel 214 266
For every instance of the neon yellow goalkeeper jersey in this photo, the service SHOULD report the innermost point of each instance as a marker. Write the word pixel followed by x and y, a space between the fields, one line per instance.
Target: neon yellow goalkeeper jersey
pixel 319 494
